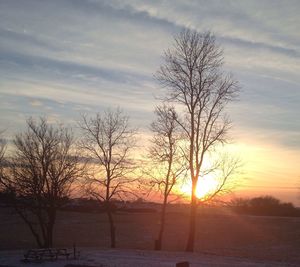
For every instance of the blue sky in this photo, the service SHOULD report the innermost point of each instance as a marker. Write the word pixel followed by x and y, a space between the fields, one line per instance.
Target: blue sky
pixel 62 58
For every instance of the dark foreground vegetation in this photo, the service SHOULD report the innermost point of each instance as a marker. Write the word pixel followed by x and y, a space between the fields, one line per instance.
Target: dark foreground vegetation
pixel 219 231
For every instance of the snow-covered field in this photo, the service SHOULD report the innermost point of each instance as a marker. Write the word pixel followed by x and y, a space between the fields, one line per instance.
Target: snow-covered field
pixel 221 240
pixel 134 258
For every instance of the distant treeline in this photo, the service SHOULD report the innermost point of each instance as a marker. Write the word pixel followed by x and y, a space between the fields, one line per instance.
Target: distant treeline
pixel 85 205
pixel 93 206
pixel 264 206
pixel 260 206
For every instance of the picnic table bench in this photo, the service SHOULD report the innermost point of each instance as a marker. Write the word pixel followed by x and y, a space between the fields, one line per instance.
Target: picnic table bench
pixel 45 254
pixel 62 252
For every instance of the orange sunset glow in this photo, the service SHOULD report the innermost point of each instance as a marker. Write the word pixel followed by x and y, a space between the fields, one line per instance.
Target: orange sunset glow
pixel 204 188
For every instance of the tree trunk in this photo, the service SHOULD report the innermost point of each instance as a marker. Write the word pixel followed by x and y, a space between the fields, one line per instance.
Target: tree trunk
pixel 50 227
pixel 158 242
pixel 192 225
pixel 49 239
pixel 112 228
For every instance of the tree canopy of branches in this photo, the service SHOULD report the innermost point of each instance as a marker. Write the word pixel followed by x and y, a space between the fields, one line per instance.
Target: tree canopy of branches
pixel 165 155
pixel 41 172
pixel 108 141
pixel 192 71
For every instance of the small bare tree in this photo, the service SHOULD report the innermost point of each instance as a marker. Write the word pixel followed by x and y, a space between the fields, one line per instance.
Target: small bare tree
pixel 108 141
pixel 2 147
pixel 41 172
pixel 193 73
pixel 2 159
pixel 166 159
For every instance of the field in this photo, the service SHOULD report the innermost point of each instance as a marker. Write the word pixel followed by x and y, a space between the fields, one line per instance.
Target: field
pixel 224 234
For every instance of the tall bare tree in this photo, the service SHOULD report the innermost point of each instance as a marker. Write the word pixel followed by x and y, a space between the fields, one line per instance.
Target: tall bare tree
pixel 108 140
pixel 165 155
pixel 193 73
pixel 40 175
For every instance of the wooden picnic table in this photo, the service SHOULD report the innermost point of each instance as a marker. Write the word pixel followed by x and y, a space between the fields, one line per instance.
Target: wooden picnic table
pixel 62 252
pixel 46 254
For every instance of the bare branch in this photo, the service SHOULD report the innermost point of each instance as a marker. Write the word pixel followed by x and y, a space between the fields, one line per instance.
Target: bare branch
pixel 108 141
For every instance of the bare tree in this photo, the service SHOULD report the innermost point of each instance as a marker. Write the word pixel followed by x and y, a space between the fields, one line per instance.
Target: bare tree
pixel 166 160
pixel 2 159
pixel 41 172
pixel 193 73
pixel 2 147
pixel 108 140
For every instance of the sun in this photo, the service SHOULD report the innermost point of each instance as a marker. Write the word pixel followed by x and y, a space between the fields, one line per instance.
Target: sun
pixel 205 187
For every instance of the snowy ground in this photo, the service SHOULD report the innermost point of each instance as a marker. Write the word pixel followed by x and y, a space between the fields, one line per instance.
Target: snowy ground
pixel 133 258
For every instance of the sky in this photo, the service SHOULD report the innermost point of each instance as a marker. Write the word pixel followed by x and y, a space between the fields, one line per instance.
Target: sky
pixel 67 57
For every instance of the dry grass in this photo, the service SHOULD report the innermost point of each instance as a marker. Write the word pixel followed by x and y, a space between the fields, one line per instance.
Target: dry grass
pixel 266 238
